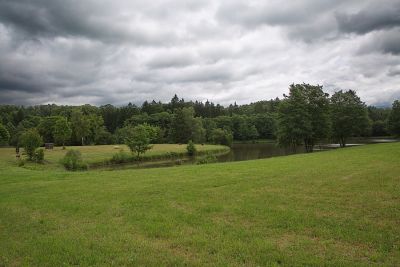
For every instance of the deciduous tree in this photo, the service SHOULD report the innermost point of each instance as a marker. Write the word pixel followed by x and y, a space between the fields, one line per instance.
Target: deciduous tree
pixel 80 126
pixel 62 131
pixel 349 116
pixel 303 116
pixel 394 119
pixel 138 139
pixel 4 135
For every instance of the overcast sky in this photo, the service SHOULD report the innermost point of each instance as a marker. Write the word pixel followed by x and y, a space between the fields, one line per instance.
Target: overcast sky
pixel 120 51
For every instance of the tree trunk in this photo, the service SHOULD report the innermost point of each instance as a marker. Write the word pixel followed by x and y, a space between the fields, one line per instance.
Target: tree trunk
pixel 308 145
pixel 138 158
pixel 342 142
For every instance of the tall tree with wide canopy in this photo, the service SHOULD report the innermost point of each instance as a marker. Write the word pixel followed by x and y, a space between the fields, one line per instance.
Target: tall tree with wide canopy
pixel 303 116
pixel 62 131
pixel 80 126
pixel 185 127
pixel 349 116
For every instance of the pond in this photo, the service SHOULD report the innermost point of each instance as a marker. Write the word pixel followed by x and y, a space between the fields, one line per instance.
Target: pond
pixel 251 151
pixel 248 151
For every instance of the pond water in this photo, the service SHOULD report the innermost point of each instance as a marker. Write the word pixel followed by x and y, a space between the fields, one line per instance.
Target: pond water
pixel 251 151
pixel 240 152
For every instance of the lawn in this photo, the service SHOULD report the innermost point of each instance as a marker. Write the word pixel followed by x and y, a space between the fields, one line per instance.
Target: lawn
pixel 336 208
pixel 99 154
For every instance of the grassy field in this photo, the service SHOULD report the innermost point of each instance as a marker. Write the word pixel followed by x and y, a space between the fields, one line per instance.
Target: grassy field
pixel 99 154
pixel 336 208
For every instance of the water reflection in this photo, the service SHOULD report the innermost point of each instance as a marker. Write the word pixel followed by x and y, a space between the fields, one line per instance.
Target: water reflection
pixel 240 152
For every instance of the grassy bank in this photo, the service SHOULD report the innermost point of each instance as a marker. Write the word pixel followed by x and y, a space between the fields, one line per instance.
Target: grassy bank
pixel 334 208
pixel 101 155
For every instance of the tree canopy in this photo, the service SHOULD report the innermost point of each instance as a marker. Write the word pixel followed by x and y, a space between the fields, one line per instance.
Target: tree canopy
pixel 4 135
pixel 394 119
pixel 349 116
pixel 138 138
pixel 300 118
pixel 303 116
pixel 62 131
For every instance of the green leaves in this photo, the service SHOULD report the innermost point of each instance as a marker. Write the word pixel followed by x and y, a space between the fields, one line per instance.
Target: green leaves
pixel 349 116
pixel 303 116
pixel 186 127
pixel 30 141
pixel 138 138
pixel 394 119
pixel 62 131
pixel 191 148
pixel 4 135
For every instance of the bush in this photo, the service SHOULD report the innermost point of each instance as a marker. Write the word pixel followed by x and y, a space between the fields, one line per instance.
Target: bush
pixel 21 162
pixel 39 155
pixel 121 157
pixel 171 155
pixel 208 158
pixel 72 161
pixel 191 148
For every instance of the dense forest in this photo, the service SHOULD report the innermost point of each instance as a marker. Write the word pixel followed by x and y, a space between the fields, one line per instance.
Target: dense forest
pixel 306 116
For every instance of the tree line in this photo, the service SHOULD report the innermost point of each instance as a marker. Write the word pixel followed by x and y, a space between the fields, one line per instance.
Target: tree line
pixel 306 116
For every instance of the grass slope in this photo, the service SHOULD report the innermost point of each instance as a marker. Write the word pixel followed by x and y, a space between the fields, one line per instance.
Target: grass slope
pixel 333 208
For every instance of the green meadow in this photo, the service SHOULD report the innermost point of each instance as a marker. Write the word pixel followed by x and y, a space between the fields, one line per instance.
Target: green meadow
pixel 101 154
pixel 335 208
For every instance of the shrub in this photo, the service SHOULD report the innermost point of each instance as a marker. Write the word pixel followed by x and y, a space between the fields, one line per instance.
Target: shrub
pixel 208 158
pixel 73 161
pixel 121 157
pixel 172 154
pixel 39 155
pixel 21 162
pixel 30 141
pixel 191 148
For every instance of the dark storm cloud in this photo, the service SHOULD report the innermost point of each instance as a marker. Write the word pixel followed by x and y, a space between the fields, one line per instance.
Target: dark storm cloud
pixel 89 19
pixel 120 51
pixel 20 83
pixel 169 59
pixel 191 74
pixel 387 42
pixel 394 71
pixel 391 45
pixel 377 16
pixel 251 14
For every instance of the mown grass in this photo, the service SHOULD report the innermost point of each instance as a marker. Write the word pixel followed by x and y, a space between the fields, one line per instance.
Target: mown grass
pixel 102 154
pixel 336 208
